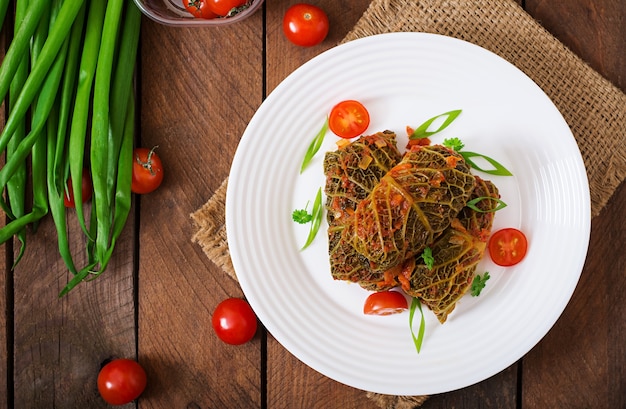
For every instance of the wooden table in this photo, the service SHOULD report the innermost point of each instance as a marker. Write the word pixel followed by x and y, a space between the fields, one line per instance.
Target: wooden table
pixel 198 89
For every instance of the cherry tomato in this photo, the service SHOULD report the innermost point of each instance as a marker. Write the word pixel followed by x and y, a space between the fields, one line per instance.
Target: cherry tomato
pixel 86 190
pixel 121 381
pixel 507 247
pixel 234 321
pixel 348 119
pixel 385 303
pixel 305 25
pixel 147 171
pixel 199 8
pixel 223 7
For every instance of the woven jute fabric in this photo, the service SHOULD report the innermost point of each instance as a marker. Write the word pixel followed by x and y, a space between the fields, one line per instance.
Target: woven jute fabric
pixel 594 108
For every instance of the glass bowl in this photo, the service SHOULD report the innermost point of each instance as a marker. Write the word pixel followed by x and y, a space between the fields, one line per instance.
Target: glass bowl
pixel 173 13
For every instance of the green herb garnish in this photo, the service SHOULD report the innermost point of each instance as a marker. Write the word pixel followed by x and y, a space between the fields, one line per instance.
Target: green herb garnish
pixel 315 146
pixel 417 340
pixel 302 216
pixel 479 283
pixel 316 218
pixel 422 130
pixel 472 204
pixel 428 258
pixel 497 170
pixel 453 143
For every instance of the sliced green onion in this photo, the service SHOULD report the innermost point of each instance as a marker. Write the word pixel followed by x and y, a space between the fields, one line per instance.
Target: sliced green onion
pixel 317 212
pixel 315 146
pixel 422 130
pixel 472 204
pixel 417 340
pixel 497 170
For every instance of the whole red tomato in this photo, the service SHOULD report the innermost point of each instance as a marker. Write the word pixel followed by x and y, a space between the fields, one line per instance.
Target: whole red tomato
pixel 121 381
pixel 224 7
pixel 305 25
pixel 86 190
pixel 147 171
pixel 234 321
pixel 199 8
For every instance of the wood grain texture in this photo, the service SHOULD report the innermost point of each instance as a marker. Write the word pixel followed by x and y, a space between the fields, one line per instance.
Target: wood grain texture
pixel 195 107
pixel 59 344
pixel 594 30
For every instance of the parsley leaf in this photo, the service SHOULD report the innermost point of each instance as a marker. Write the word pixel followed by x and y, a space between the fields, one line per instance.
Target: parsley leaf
pixel 453 143
pixel 479 283
pixel 302 216
pixel 428 258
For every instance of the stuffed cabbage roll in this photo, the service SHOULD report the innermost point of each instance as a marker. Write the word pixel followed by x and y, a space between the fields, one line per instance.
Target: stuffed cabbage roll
pixel 410 206
pixel 351 173
pixel 456 254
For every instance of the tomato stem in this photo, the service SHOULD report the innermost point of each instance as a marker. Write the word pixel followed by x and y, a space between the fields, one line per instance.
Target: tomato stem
pixel 148 163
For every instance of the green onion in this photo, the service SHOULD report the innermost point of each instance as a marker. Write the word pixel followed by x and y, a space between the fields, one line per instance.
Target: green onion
pixel 419 339
pixel 472 204
pixel 422 130
pixel 498 169
pixel 315 146
pixel 317 212
pixel 76 48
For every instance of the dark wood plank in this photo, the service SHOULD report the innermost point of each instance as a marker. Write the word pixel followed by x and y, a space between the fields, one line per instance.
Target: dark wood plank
pixel 594 30
pixel 199 88
pixel 61 343
pixel 580 361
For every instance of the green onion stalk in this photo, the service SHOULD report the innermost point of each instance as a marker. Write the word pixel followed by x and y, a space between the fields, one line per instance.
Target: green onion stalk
pixel 78 92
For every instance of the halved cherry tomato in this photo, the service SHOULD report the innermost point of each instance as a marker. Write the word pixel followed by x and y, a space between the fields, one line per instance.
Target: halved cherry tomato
pixel 86 190
pixel 385 303
pixel 507 247
pixel 305 25
pixel 199 8
pixel 223 7
pixel 234 321
pixel 121 381
pixel 348 119
pixel 147 171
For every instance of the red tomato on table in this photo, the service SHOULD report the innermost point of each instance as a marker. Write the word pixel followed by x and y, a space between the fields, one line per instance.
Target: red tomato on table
pixel 121 381
pixel 348 119
pixel 507 247
pixel 305 25
pixel 385 303
pixel 147 171
pixel 234 321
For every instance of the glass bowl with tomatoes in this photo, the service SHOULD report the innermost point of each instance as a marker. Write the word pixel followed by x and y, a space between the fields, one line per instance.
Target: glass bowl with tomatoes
pixel 198 13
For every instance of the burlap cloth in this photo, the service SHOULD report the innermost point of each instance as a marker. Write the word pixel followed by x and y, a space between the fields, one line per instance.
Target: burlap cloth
pixel 594 108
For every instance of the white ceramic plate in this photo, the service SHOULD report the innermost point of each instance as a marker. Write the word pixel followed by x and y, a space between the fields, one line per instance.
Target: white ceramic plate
pixel 404 79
